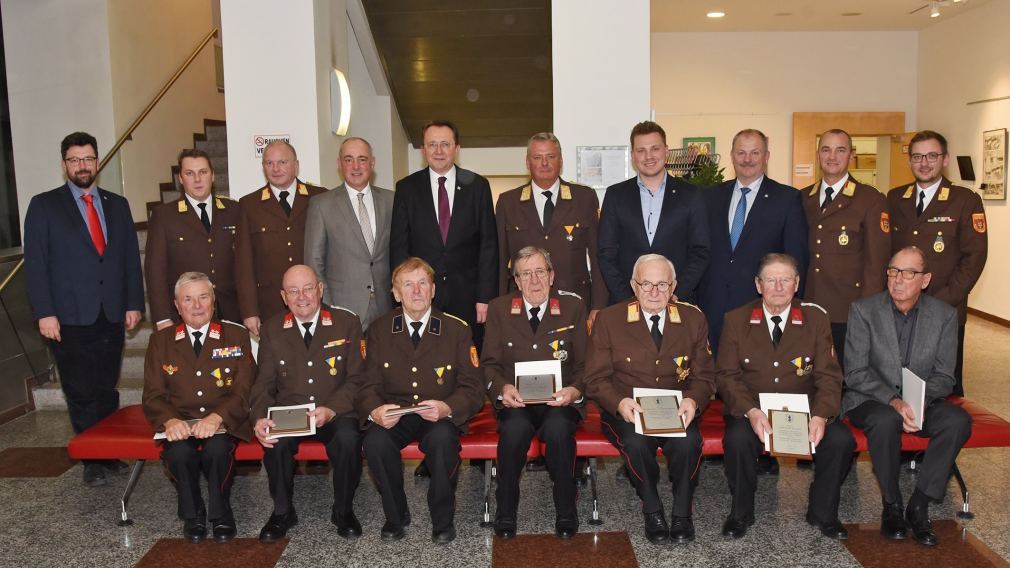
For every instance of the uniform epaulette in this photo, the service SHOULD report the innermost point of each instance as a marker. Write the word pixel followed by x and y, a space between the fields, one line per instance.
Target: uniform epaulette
pixel 235 323
pixel 567 293
pixel 813 305
pixel 345 309
pixel 457 318
pixel 688 304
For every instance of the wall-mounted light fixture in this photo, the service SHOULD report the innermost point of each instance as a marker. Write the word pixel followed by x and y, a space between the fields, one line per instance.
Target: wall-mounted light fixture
pixel 340 103
pixel 934 9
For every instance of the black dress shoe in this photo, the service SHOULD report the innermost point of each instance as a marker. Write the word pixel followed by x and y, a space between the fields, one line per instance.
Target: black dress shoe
pixel 768 465
pixel 347 524
pixel 656 529
pixel 922 529
pixel 444 536
pixel 94 475
pixel 194 530
pixel 116 467
pixel 832 529
pixel 224 530
pixel 892 524
pixel 681 530
pixel 504 527
pixel 392 531
pixel 277 526
pixel 421 470
pixel 734 527
pixel 566 526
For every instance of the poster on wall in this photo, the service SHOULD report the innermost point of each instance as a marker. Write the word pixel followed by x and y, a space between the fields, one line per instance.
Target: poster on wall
pixel 601 166
pixel 994 155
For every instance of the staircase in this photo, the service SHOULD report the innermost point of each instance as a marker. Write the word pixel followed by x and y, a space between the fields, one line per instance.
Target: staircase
pixel 214 141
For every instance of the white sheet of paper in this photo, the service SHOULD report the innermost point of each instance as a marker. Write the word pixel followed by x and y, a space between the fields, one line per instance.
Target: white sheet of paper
pixel 913 391
pixel 312 423
pixel 782 401
pixel 545 367
pixel 637 392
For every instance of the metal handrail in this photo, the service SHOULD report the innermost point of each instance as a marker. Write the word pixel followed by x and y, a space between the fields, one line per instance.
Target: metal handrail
pixel 157 98
pixel 11 275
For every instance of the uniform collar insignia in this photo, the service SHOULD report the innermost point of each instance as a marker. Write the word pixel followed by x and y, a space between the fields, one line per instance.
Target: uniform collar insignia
pixel 215 331
pixel 180 331
pixel 183 207
pixel 289 320
pixel 908 192
pixel 526 194
pixel 674 313
pixel 755 315
pixel 634 312
pixel 398 324
pixel 555 307
pixel 517 306
pixel 218 203
pixel 814 189
pixel 796 316
pixel 265 194
pixel 566 192
pixel 850 188
pixel 325 318
pixel 302 190
pixel 944 193
pixel 434 325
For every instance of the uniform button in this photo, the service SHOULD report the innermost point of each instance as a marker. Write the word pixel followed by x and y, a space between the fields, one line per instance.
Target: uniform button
pixel 413 369
pixel 309 363
pixel 263 229
pixel 212 255
pixel 288 228
pixel 448 367
pixel 818 241
pixel 820 226
pixel 775 364
pixel 290 259
pixel 416 397
pixel 628 359
pixel 289 243
pixel 339 357
pixel 776 379
pixel 198 373
pixel 210 241
pixel 310 381
pixel 414 384
pixel 534 345
pixel 857 284
pixel 510 344
pixel 657 379
pixel 817 255
pixel 180 238
pixel 746 360
pixel 282 361
pixel 311 398
pixel 227 370
pixel 657 361
pixel 817 270
pixel 212 271
pixel 385 365
pixel 915 232
pixel 199 393
pixel 202 409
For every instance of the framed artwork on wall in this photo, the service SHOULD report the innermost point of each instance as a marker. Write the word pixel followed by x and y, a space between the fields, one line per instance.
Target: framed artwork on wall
pixel 994 156
pixel 702 145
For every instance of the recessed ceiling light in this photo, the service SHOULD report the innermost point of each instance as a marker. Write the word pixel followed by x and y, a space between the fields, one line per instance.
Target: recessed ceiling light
pixel 715 14
pixel 850 14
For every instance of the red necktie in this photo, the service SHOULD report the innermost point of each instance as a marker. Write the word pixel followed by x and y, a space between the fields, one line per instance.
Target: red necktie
pixel 94 225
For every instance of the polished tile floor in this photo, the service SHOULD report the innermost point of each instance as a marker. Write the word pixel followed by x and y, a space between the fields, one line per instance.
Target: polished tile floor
pixel 56 521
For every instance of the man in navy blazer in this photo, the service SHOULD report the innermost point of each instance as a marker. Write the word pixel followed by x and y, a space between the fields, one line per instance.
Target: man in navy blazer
pixel 85 286
pixel 746 225
pixel 444 215
pixel 652 213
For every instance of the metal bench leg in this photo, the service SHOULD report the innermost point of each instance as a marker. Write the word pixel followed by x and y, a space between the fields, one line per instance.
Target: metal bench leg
pixel 965 512
pixel 138 466
pixel 490 471
pixel 591 470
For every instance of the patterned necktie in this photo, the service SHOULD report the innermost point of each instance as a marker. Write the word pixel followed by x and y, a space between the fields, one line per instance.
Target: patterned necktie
pixel 777 332
pixel 283 200
pixel 443 209
pixel 415 336
pixel 308 334
pixel 197 344
pixel 366 223
pixel 828 196
pixel 738 218
pixel 548 209
pixel 535 318
pixel 657 337
pixel 204 218
pixel 921 205
pixel 94 225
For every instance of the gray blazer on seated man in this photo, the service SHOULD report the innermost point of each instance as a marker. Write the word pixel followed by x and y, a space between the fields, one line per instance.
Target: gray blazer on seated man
pixel 886 332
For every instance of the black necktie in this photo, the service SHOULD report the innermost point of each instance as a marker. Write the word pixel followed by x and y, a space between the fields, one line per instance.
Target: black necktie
pixel 197 345
pixel 415 336
pixel 204 217
pixel 657 337
pixel 548 209
pixel 777 332
pixel 534 318
pixel 284 202
pixel 828 193
pixel 308 334
pixel 922 203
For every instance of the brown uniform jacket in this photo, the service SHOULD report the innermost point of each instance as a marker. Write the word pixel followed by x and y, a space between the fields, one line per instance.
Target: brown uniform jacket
pixel 509 338
pixel 178 384
pixel 804 362
pixel 267 243
pixel 328 372
pixel 850 244
pixel 571 235
pixel 623 356
pixel 952 233
pixel 177 243
pixel 443 367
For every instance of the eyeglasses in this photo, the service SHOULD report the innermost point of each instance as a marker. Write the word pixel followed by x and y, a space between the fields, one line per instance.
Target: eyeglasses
pixel 906 273
pixel 307 291
pixel 785 281
pixel 648 286
pixel 931 157
pixel 87 160
pixel 541 273
pixel 432 146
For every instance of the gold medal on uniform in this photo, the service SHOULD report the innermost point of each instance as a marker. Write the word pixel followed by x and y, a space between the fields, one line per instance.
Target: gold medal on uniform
pixel 843 239
pixel 798 363
pixel 938 243
pixel 559 354
pixel 170 369
pixel 682 369
pixel 332 362
pixel 569 229
pixel 216 373
pixel 439 371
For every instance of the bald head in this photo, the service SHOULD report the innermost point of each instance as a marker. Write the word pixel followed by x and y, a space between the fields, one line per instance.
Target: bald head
pixel 302 291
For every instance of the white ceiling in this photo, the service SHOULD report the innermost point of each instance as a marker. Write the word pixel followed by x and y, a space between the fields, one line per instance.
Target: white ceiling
pixel 803 15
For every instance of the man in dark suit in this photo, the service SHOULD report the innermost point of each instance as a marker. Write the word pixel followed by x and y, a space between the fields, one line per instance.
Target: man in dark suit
pixel 748 217
pixel 444 215
pixel 85 286
pixel 652 213
pixel 194 233
pixel 889 332
pixel 270 237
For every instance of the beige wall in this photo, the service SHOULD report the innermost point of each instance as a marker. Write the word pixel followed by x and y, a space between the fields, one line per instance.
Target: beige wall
pixel 148 40
pixel 961 60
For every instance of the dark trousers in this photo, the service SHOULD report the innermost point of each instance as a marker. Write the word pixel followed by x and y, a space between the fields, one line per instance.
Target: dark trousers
pixel 89 358
pixel 838 339
pixel 683 462
pixel 553 425
pixel 947 426
pixel 832 461
pixel 959 365
pixel 343 447
pixel 440 443
pixel 215 458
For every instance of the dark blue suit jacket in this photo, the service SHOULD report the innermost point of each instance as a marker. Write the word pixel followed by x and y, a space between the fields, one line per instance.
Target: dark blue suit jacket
pixel 682 236
pixel 776 223
pixel 66 276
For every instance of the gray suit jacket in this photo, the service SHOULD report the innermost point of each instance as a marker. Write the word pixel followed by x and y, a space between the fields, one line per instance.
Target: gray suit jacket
pixel 335 247
pixel 872 361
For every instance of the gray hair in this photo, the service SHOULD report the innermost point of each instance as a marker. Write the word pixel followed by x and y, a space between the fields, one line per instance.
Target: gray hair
pixel 187 277
pixel 750 132
pixel 543 137
pixel 649 258
pixel 527 252
pixel 777 258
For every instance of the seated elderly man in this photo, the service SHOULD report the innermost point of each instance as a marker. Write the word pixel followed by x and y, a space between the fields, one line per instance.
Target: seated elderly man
pixel 535 324
pixel 310 354
pixel 778 345
pixel 649 341
pixel 196 390
pixel 889 331
pixel 424 359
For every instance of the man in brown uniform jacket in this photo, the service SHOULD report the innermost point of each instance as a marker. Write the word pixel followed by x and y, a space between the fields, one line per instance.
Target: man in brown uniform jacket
pixel 779 345
pixel 418 357
pixel 194 233
pixel 945 221
pixel 311 354
pixel 560 217
pixel 196 382
pixel 533 325
pixel 652 343
pixel 850 235
pixel 271 234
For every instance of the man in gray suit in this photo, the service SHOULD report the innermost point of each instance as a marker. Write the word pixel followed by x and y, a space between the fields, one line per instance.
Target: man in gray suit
pixel 903 328
pixel 347 236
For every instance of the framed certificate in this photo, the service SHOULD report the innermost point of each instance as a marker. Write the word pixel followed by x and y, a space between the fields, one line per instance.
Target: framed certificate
pixel 660 415
pixel 790 435
pixel 291 420
pixel 537 381
pixel 406 410
pixel 640 392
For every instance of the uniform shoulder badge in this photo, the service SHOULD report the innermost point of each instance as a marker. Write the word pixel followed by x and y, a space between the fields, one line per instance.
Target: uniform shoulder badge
pixel 688 304
pixel 566 193
pixel 634 312
pixel 555 306
pixel 460 320
pixel 183 207
pixel 289 320
pixel 755 316
pixel 978 222
pixel 526 194
pixel 908 192
pixel 517 306
pixel 850 188
pixel 944 194
pixel 345 309
pixel 567 293
pixel 813 305
pixel 302 190
pixel 180 331
pixel 265 194
pixel 673 313
pixel 796 316
pixel 885 222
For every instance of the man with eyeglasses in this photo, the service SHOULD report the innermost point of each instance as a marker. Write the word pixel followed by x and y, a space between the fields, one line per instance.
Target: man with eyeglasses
pixel 948 223
pixel 903 328
pixel 310 355
pixel 650 342
pixel 535 324
pixel 193 233
pixel 85 286
pixel 777 344
pixel 270 237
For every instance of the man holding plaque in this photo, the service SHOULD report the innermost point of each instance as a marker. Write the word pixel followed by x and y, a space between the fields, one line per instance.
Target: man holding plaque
pixel 780 345
pixel 889 332
pixel 533 325
pixel 196 383
pixel 650 342
pixel 422 382
pixel 310 354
